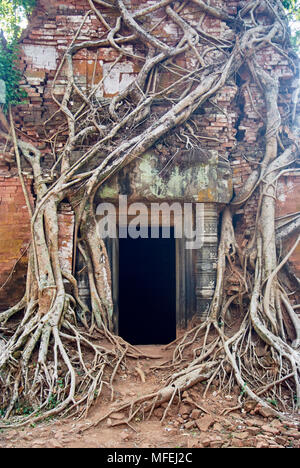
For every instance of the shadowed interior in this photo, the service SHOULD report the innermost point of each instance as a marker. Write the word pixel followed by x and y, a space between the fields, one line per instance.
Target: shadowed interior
pixel 147 290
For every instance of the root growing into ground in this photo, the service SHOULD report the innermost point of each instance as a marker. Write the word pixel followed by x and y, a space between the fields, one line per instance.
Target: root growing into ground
pixel 50 354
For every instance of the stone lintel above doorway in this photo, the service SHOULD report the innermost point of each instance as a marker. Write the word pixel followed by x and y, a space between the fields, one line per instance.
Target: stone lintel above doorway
pixel 186 176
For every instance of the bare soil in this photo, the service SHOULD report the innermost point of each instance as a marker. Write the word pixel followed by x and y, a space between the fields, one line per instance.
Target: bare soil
pixel 193 422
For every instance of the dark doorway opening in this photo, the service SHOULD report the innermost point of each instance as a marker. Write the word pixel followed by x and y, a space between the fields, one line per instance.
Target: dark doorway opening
pixel 147 290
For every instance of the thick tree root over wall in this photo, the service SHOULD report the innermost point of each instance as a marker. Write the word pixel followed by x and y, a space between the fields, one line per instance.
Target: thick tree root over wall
pixel 51 359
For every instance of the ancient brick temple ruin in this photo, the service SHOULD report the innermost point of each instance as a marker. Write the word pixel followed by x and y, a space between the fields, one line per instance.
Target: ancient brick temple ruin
pixel 228 128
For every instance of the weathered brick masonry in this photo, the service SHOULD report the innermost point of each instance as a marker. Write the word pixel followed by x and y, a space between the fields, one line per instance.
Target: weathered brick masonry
pixel 231 124
pixel 14 237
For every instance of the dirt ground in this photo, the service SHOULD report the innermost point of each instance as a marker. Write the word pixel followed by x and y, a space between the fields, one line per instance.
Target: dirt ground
pixel 193 422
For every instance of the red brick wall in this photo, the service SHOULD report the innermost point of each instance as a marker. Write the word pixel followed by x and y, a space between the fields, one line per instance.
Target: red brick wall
pixel 289 203
pixel 66 222
pixel 14 238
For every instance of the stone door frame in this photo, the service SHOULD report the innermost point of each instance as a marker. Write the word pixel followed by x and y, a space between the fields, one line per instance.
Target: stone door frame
pixel 195 272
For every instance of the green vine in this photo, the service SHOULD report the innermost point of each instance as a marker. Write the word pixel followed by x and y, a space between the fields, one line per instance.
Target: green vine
pixel 13 15
pixel 10 74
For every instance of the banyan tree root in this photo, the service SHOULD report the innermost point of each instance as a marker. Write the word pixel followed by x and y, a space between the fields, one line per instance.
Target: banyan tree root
pixel 220 362
pixel 71 379
pixel 147 403
pixel 51 362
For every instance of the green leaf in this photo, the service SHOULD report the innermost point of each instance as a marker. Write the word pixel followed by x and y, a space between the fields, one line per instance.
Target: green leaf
pixel 12 18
